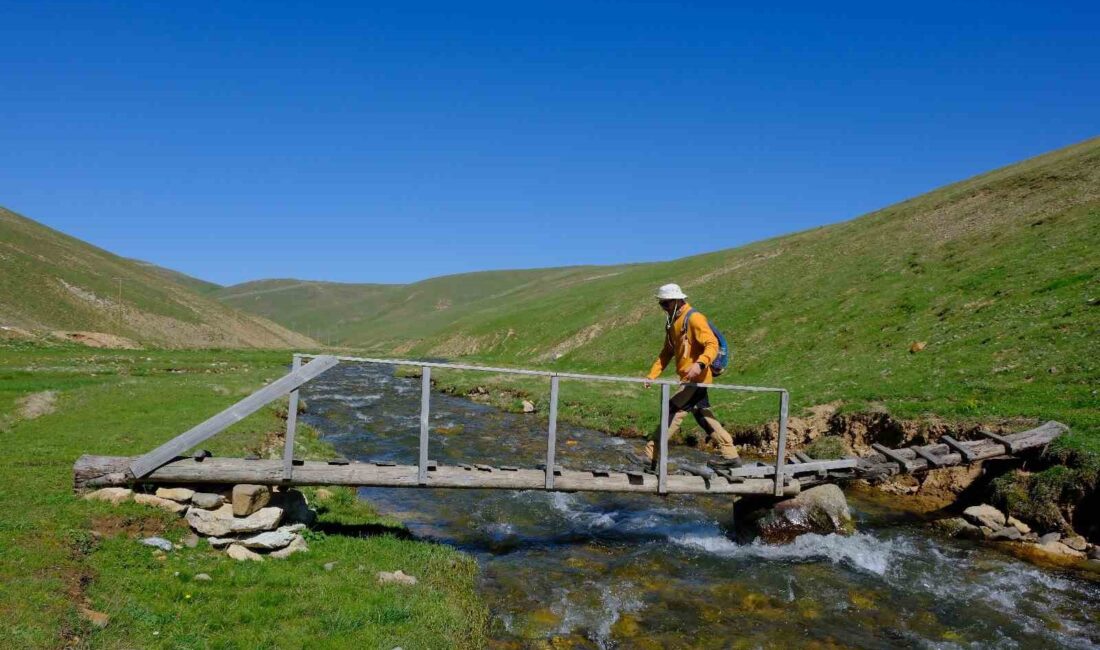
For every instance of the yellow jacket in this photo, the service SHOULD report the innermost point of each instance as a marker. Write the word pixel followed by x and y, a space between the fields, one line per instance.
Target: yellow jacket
pixel 697 345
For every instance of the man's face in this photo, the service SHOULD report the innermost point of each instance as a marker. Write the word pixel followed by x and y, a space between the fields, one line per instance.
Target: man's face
pixel 667 305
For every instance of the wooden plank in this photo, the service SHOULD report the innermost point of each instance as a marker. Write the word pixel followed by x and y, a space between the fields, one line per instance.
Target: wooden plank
pixel 1009 448
pixel 552 434
pixel 291 424
pixel 812 466
pixel 963 450
pixel 242 409
pixel 425 404
pixel 802 456
pixel 903 464
pixel 932 459
pixel 662 462
pixel 100 471
pixel 781 444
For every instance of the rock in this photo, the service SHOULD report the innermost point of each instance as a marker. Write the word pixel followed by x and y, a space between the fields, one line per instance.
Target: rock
pixel 958 527
pixel 329 566
pixel 985 515
pixel 1032 537
pixel 221 542
pixel 97 619
pixel 191 540
pixel 249 498
pixel 292 528
pixel 1050 537
pixel 158 542
pixel 822 509
pixel 917 346
pixel 1058 548
pixel 163 504
pixel 221 522
pixel 987 532
pixel 269 541
pixel 179 495
pixel 238 552
pixel 1008 533
pixel 528 406
pixel 261 520
pixel 298 545
pixel 202 577
pixel 1076 542
pixel 395 577
pixel 113 495
pixel 207 500
pixel 1094 553
pixel 296 508
pixel 1018 525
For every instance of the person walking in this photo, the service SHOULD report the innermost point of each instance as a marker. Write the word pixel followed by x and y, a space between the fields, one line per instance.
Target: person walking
pixel 691 343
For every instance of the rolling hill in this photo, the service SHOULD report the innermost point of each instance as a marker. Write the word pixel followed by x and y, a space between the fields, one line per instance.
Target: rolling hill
pixel 996 278
pixel 52 282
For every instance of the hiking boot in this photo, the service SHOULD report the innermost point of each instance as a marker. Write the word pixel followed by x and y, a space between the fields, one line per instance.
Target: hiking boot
pixel 724 463
pixel 634 458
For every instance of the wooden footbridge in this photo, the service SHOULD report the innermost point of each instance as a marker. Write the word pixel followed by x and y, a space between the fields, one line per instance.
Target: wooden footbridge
pixel 785 476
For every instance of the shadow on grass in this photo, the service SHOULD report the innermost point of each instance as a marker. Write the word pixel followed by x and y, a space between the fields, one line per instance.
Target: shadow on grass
pixel 333 528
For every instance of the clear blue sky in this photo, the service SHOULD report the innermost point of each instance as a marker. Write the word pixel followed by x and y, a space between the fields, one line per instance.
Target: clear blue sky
pixel 392 143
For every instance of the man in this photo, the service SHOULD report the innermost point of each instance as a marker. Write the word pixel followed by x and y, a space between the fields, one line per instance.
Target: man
pixel 693 347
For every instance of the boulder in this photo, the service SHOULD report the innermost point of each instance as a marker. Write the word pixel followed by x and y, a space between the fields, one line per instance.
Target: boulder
pixel 221 522
pixel 261 520
pixel 269 541
pixel 395 577
pixel 1008 533
pixel 958 527
pixel 207 500
pixel 113 495
pixel 296 509
pixel 822 509
pixel 163 504
pixel 1058 548
pixel 238 552
pixel 1050 537
pixel 1019 525
pixel 249 498
pixel 179 495
pixel 297 545
pixel 1076 542
pixel 985 515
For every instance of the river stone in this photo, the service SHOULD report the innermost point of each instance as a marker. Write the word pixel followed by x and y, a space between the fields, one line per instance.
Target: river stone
pixel 158 542
pixel 958 527
pixel 297 545
pixel 249 498
pixel 1019 525
pixel 985 515
pixel 822 509
pixel 1076 542
pixel 296 508
pixel 268 541
pixel 1008 533
pixel 113 495
pixel 207 500
pixel 179 495
pixel 1050 537
pixel 395 577
pixel 1058 548
pixel 163 504
pixel 238 552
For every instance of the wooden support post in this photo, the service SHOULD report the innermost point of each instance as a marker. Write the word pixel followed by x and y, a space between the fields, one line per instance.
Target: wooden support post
pixel 932 459
pixel 425 399
pixel 239 411
pixel 890 454
pixel 966 452
pixel 1009 448
pixel 662 447
pixel 781 444
pixel 291 424
pixel 552 433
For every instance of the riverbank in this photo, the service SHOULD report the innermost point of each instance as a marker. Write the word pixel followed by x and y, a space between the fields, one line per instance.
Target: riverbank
pixel 75 576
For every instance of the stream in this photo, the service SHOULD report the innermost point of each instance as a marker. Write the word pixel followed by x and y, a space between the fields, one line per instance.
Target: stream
pixel 642 571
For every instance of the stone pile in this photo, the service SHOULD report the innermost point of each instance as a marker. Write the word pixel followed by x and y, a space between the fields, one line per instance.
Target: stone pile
pixel 250 522
pixel 984 522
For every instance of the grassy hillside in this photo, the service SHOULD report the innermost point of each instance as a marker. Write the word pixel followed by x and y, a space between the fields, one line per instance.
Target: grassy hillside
pixel 194 284
pixel 50 281
pixel 998 275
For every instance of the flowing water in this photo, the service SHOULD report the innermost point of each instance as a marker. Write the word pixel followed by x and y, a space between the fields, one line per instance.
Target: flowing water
pixel 614 570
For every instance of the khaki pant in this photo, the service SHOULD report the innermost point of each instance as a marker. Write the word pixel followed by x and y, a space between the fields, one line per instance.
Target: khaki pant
pixel 694 400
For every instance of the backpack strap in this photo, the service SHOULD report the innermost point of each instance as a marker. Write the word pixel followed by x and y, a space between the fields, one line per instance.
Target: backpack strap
pixel 687 319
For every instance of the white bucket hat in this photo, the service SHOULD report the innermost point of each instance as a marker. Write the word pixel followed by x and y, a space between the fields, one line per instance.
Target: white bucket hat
pixel 671 292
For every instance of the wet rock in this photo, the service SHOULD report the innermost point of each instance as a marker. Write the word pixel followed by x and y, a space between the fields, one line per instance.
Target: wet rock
pixel 958 527
pixel 202 577
pixel 1094 553
pixel 395 577
pixel 238 552
pixel 985 515
pixel 528 406
pixel 1050 537
pixel 1018 525
pixel 269 541
pixel 113 495
pixel 297 545
pixel 295 506
pixel 207 500
pixel 822 509
pixel 179 495
pixel 157 502
pixel 97 619
pixel 158 542
pixel 1008 533
pixel 247 498
pixel 1076 542
pixel 1060 549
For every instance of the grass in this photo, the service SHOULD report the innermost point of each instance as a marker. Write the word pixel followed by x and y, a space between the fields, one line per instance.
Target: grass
pixel 59 553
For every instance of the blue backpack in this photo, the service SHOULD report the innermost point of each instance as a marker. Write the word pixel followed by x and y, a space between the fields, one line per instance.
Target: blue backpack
pixel 718 366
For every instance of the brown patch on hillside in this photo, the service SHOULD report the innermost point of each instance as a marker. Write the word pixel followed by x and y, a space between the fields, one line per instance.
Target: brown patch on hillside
pixel 97 340
pixel 37 404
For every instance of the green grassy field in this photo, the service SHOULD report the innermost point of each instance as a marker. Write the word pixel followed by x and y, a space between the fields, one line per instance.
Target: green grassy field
pixel 59 553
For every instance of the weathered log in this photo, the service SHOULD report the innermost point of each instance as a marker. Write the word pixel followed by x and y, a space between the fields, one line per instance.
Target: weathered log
pixel 104 471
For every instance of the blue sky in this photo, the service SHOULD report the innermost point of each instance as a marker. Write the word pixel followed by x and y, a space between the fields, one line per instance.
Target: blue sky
pixel 388 143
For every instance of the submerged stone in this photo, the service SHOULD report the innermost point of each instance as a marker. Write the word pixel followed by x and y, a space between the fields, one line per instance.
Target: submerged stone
pixel 822 509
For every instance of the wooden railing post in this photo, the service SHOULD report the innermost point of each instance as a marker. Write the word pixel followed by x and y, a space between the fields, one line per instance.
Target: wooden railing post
pixel 662 447
pixel 425 399
pixel 781 445
pixel 552 434
pixel 291 425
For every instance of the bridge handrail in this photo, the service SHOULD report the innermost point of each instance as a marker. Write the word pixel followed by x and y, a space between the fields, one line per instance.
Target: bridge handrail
pixel 666 385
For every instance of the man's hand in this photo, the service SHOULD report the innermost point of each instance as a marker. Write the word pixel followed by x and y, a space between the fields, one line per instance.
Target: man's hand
pixel 647 383
pixel 695 372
